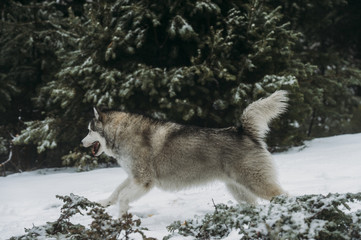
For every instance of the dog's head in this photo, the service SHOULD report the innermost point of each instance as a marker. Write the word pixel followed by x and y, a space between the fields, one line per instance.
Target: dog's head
pixel 95 137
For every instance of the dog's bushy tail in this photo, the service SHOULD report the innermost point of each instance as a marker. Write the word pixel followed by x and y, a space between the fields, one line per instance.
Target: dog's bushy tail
pixel 257 115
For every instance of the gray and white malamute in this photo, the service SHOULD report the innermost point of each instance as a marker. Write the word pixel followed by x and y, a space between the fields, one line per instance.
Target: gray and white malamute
pixel 173 156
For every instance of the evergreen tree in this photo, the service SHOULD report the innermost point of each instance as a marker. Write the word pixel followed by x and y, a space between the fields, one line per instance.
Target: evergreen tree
pixel 193 62
pixel 26 60
pixel 331 42
pixel 29 37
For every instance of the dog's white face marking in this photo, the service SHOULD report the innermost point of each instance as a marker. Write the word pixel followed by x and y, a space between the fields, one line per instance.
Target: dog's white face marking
pixel 94 138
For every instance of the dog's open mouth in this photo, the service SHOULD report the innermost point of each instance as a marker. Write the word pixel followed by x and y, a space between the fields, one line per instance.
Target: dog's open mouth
pixel 95 149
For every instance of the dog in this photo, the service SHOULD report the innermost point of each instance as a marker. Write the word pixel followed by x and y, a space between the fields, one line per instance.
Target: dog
pixel 172 156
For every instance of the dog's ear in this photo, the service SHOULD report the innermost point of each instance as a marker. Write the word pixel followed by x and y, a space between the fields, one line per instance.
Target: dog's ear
pixel 98 114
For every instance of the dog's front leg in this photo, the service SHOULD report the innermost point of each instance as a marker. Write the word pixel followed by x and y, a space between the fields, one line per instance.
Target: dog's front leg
pixel 112 199
pixel 131 192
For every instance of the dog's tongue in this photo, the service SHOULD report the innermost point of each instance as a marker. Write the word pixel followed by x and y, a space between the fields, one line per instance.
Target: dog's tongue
pixel 95 148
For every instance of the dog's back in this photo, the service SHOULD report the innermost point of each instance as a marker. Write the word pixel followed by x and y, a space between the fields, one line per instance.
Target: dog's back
pixel 193 155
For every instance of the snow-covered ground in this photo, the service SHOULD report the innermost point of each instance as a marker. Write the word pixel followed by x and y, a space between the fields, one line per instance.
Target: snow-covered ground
pixel 324 165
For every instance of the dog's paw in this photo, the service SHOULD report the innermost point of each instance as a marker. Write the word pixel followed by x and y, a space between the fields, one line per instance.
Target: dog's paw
pixel 105 202
pixel 123 209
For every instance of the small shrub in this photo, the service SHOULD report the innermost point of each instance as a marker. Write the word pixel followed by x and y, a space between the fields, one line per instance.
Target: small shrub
pixel 304 217
pixel 103 226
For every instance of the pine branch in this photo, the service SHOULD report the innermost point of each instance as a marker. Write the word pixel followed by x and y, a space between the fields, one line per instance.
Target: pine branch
pixel 215 206
pixel 10 156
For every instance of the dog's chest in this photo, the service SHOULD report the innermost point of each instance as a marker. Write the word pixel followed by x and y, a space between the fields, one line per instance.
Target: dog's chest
pixel 125 162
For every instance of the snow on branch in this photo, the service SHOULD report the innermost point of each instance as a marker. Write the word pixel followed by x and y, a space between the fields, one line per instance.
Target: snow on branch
pixel 10 156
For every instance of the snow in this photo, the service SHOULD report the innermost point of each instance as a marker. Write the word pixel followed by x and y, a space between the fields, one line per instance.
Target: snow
pixel 323 165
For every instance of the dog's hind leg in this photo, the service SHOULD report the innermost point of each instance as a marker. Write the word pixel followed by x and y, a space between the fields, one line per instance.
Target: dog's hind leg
pixel 258 175
pixel 262 185
pixel 241 193
pixel 266 189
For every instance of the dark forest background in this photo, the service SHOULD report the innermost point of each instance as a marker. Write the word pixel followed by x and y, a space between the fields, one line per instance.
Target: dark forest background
pixel 197 62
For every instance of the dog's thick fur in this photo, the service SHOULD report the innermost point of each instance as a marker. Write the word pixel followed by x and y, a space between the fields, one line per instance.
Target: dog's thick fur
pixel 173 156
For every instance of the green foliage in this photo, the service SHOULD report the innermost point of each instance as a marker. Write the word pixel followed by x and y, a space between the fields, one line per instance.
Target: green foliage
pixel 42 133
pixel 335 216
pixel 8 88
pixel 84 161
pixel 3 146
pixel 193 62
pixel 103 226
pixel 330 42
pixel 304 217
pixel 206 78
pixel 28 38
